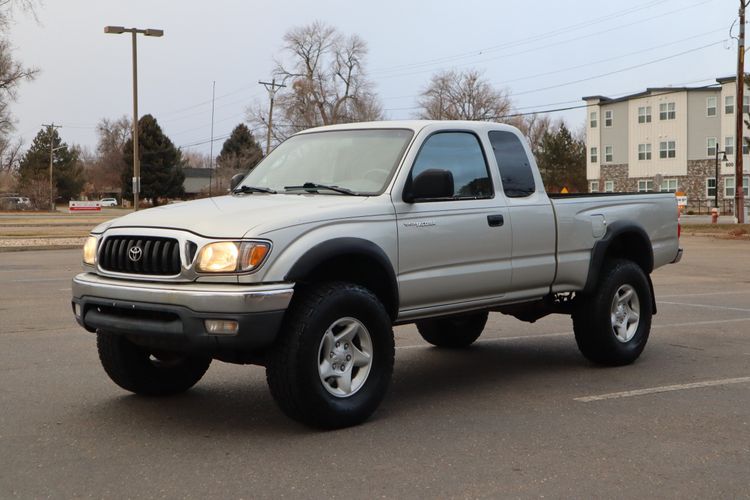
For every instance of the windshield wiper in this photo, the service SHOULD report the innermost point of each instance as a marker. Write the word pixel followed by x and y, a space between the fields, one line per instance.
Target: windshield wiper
pixel 253 189
pixel 314 186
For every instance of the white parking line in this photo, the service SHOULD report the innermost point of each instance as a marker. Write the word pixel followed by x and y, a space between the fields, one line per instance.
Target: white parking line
pixel 702 294
pixel 663 388
pixel 705 306
pixel 569 333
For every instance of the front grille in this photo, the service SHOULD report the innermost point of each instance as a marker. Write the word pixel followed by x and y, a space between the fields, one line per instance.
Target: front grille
pixel 157 256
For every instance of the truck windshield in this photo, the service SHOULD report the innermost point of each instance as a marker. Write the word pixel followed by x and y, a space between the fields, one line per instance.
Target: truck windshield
pixel 360 161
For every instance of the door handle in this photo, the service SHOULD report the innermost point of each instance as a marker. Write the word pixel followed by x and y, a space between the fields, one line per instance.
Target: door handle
pixel 495 220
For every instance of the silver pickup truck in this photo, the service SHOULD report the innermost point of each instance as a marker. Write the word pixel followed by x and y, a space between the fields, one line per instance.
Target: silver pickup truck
pixel 343 232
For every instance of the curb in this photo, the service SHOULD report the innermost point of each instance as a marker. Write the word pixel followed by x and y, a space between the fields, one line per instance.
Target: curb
pixel 34 248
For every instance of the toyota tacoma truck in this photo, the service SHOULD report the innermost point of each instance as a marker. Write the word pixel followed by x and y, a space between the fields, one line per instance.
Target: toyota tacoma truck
pixel 345 231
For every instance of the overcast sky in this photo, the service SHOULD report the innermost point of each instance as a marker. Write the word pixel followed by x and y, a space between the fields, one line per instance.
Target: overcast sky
pixel 546 54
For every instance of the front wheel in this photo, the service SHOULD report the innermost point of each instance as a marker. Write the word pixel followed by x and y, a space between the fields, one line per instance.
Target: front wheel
pixel 613 323
pixel 148 372
pixel 333 362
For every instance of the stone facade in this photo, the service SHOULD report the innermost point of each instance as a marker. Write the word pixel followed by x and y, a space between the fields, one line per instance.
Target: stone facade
pixel 693 184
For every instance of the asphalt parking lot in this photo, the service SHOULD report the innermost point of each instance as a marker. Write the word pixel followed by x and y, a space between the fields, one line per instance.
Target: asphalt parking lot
pixel 520 414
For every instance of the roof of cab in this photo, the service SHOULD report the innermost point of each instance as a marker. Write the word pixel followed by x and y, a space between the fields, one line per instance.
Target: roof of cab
pixel 415 125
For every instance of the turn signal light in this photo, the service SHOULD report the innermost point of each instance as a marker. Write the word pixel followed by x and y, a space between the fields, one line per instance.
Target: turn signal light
pixel 221 326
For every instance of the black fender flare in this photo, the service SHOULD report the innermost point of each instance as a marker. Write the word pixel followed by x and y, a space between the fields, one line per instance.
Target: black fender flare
pixel 601 247
pixel 345 247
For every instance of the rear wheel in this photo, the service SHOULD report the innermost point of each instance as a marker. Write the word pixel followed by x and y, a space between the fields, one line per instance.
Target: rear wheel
pixel 333 361
pixel 612 324
pixel 148 372
pixel 453 331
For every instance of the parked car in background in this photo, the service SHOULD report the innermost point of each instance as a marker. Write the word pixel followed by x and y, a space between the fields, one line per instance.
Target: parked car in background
pixel 108 202
pixel 15 203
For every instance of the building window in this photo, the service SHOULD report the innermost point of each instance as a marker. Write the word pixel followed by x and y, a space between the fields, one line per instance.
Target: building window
pixel 608 154
pixel 745 147
pixel 667 111
pixel 746 104
pixel 645 186
pixel 644 114
pixel 711 187
pixel 594 186
pixel 668 186
pixel 594 154
pixel 729 105
pixel 729 186
pixel 594 121
pixel 609 186
pixel 729 145
pixel 711 106
pixel 710 146
pixel 644 151
pixel 608 118
pixel 667 149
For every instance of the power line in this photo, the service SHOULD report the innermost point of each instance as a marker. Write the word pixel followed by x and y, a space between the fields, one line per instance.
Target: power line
pixel 593 77
pixel 517 42
pixel 552 44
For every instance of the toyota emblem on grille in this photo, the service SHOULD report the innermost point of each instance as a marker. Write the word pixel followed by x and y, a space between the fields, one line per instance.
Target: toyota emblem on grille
pixel 135 254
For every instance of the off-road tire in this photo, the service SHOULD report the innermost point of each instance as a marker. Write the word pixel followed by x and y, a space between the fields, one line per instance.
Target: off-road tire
pixel 453 332
pixel 147 373
pixel 292 370
pixel 593 313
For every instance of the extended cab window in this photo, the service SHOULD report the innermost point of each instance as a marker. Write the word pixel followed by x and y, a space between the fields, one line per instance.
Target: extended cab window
pixel 460 154
pixel 515 169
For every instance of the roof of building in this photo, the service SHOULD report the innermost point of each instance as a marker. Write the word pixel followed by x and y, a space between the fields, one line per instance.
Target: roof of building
pixel 650 91
pixel 196 172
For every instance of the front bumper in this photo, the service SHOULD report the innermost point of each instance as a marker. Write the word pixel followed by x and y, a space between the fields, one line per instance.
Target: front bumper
pixel 171 315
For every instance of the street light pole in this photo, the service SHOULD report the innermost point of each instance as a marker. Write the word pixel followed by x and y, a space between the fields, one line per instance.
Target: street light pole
pixel 716 178
pixel 118 30
pixel 136 148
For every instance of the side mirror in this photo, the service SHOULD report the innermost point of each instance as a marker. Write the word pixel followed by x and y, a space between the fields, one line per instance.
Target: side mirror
pixel 236 179
pixel 430 184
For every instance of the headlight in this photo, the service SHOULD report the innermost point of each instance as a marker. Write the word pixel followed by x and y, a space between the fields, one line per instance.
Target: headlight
pixel 231 256
pixel 89 251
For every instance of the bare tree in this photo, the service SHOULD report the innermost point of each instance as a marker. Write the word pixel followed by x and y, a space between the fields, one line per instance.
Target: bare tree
pixel 323 71
pixel 104 169
pixel 465 95
pixel 533 127
pixel 12 72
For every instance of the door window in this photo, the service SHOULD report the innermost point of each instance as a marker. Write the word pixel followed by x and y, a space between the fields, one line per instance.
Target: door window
pixel 461 154
pixel 515 169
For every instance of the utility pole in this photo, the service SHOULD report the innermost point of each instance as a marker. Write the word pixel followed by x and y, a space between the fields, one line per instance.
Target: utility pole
pixel 211 150
pixel 272 87
pixel 739 195
pixel 51 130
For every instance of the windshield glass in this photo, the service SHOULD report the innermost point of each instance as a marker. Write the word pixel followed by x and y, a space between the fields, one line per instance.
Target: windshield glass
pixel 358 160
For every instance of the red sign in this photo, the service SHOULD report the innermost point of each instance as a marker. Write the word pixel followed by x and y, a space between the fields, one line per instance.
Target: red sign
pixel 84 206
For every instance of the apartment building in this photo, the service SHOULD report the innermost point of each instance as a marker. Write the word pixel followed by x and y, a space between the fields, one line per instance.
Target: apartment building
pixel 668 135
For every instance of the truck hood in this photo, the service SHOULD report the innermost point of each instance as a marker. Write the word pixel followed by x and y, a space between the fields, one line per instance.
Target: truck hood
pixel 251 214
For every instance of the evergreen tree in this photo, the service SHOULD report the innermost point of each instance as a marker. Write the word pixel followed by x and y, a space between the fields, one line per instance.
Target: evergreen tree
pixel 562 161
pixel 161 164
pixel 33 170
pixel 240 152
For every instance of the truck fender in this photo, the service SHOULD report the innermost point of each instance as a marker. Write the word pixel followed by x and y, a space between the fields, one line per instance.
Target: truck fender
pixel 621 236
pixel 342 248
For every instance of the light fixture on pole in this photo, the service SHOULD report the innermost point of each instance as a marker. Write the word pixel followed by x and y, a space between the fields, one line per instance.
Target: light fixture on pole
pixel 118 30
pixel 716 178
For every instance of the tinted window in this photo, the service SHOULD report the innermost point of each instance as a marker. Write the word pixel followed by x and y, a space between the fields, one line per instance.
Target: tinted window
pixel 460 154
pixel 515 170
